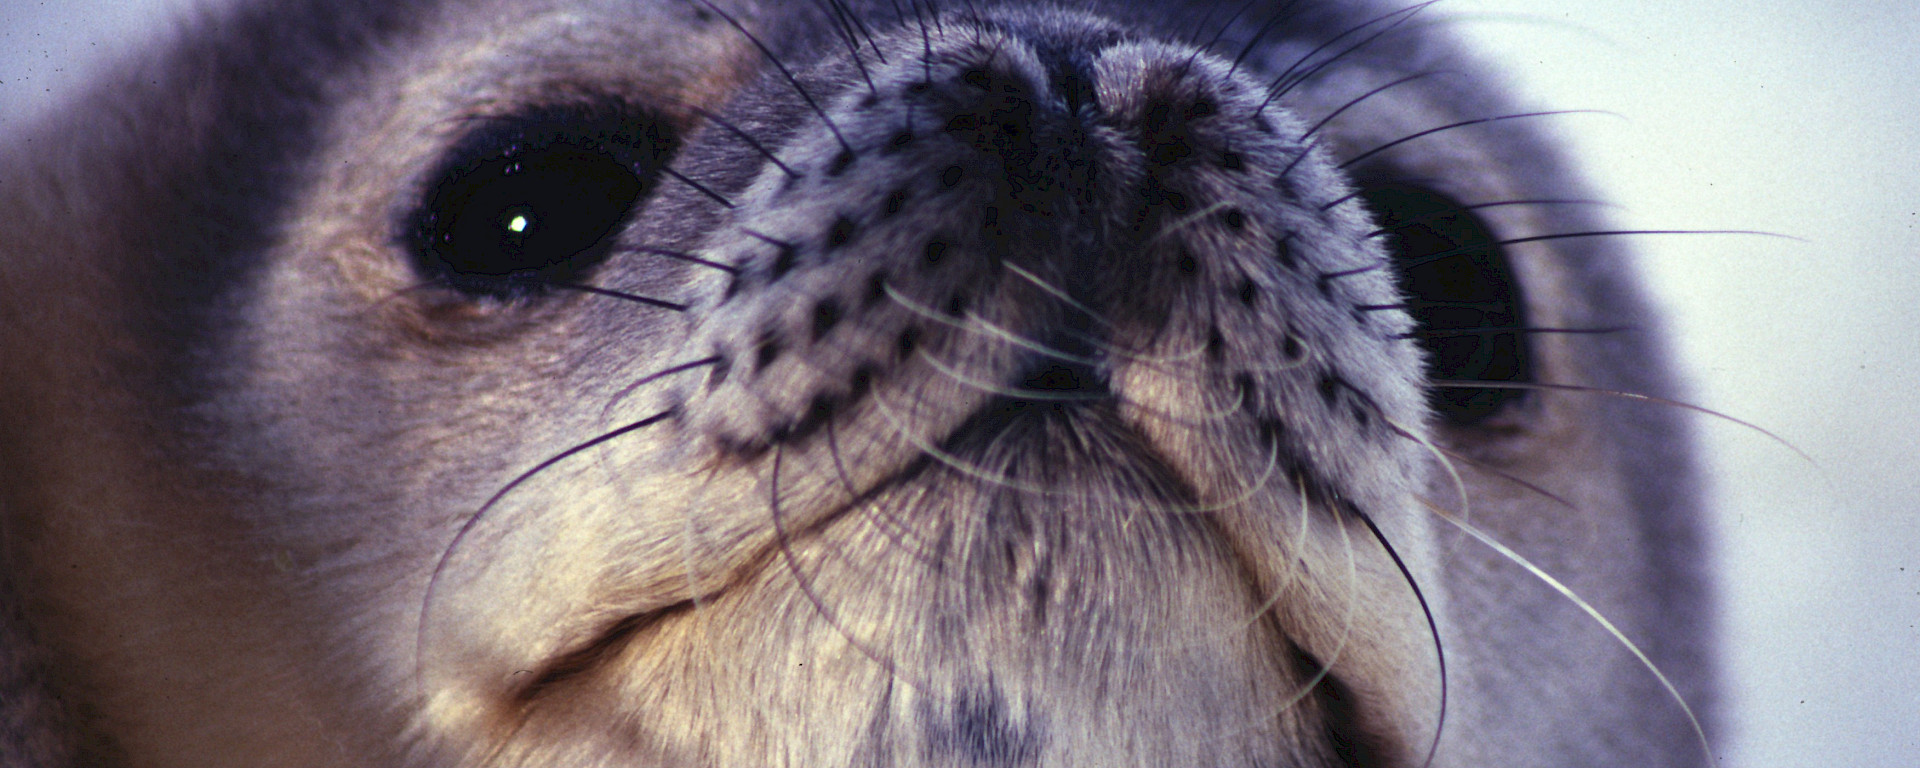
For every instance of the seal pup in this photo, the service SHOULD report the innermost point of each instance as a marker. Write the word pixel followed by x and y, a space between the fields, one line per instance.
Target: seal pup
pixel 904 383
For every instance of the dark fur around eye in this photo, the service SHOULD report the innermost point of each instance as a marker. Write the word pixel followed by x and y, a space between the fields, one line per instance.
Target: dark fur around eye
pixel 1462 291
pixel 527 201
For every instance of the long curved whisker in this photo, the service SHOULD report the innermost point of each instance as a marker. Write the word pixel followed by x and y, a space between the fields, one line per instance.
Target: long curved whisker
pixel 1191 219
pixel 975 324
pixel 628 390
pixel 1326 278
pixel 1260 34
pixel 1457 457
pixel 1357 100
pixel 1589 233
pixel 1433 626
pixel 1112 350
pixel 1245 5
pixel 787 556
pixel 1549 387
pixel 1422 219
pixel 889 525
pixel 1593 613
pixel 1294 75
pixel 898 422
pixel 1495 330
pixel 1301 61
pixel 972 323
pixel 1364 156
pixel 1346 622
pixel 473 521
pixel 792 80
pixel 1002 390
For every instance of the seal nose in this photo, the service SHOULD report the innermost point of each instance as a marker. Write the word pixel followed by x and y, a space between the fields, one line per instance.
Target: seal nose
pixel 1050 213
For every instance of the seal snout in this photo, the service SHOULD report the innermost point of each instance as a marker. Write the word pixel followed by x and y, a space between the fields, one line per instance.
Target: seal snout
pixel 1048 210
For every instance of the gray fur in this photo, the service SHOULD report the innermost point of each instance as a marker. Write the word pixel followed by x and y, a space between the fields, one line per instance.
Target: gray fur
pixel 267 496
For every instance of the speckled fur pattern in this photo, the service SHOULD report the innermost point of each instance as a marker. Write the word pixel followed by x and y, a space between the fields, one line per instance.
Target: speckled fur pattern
pixel 981 384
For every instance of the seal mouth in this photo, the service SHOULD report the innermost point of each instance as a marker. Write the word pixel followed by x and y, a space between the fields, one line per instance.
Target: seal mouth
pixel 1048 530
pixel 1055 396
pixel 1065 380
pixel 596 654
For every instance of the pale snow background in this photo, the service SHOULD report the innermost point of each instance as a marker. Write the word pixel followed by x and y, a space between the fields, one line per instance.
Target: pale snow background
pixel 1791 116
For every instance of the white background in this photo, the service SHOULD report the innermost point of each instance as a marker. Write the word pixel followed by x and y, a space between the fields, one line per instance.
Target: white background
pixel 1798 117
pixel 1790 116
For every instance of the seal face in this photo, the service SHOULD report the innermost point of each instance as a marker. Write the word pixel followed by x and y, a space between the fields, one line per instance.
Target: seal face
pixel 722 383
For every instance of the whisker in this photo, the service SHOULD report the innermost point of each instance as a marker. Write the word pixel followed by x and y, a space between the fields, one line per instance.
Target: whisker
pixel 784 541
pixel 1056 292
pixel 898 422
pixel 926 43
pixel 973 13
pixel 1422 219
pixel 1362 157
pixel 1357 100
pixel 745 137
pixel 899 14
pixel 936 12
pixel 861 25
pixel 1495 330
pixel 1433 627
pixel 697 186
pixel 1272 599
pixel 973 323
pixel 1003 390
pixel 1295 67
pixel 888 525
pixel 473 521
pixel 1346 622
pixel 628 390
pixel 1328 277
pixel 1612 232
pixel 1556 585
pixel 689 258
pixel 1479 247
pixel 1293 76
pixel 845 32
pixel 768 239
pixel 798 89
pixel 1458 384
pixel 1219 32
pixel 1099 342
pixel 1279 15
pixel 1512 478
pixel 1338 201
pixel 632 297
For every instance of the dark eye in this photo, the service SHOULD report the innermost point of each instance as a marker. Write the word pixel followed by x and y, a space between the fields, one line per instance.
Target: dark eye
pixel 529 201
pixel 1462 291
